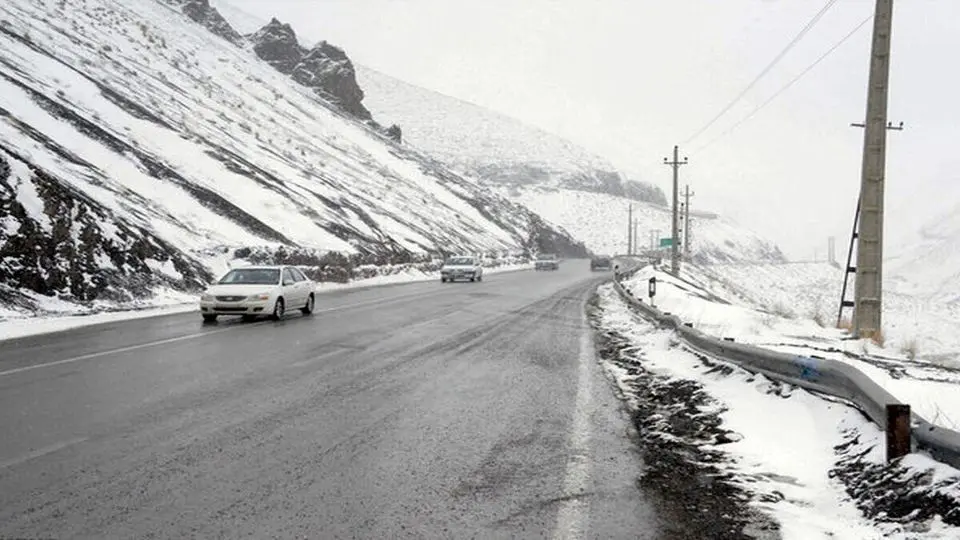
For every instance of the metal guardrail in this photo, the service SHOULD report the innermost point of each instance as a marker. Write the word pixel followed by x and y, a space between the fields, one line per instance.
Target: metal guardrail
pixel 825 376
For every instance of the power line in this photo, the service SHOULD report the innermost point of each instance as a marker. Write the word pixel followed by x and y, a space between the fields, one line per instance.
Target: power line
pixel 803 32
pixel 785 87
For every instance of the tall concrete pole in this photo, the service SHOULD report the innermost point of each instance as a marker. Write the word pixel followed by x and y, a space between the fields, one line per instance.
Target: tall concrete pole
pixel 868 288
pixel 630 229
pixel 675 237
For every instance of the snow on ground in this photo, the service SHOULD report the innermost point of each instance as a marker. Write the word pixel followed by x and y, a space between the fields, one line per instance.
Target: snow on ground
pixel 600 221
pixel 787 469
pixel 775 306
pixel 15 324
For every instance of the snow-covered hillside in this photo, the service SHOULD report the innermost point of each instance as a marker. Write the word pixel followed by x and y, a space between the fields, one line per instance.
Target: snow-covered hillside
pixel 928 265
pixel 478 141
pixel 600 220
pixel 135 143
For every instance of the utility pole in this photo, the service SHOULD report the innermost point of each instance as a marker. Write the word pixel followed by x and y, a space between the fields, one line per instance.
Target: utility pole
pixel 686 221
pixel 868 287
pixel 675 237
pixel 636 236
pixel 630 229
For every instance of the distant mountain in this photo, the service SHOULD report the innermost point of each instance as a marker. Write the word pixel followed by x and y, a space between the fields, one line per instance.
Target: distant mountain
pixel 138 142
pixel 494 147
pixel 928 265
pixel 600 221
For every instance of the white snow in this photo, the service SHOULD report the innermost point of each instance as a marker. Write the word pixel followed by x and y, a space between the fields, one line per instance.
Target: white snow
pixel 27 194
pixel 164 267
pixel 792 458
pixel 774 306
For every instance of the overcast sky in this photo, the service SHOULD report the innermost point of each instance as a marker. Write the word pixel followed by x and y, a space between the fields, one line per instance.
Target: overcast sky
pixel 628 79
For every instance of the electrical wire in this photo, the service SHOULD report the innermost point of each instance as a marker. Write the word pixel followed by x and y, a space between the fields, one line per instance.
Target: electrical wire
pixel 796 39
pixel 786 86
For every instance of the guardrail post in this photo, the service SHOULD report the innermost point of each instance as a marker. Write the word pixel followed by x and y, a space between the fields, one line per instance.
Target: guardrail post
pixel 898 430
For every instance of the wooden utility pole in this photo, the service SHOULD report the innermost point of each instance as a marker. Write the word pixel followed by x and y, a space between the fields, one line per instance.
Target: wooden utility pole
pixel 675 237
pixel 686 221
pixel 868 287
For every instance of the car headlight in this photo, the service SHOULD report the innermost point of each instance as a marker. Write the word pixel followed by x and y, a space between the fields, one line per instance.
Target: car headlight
pixel 205 297
pixel 261 296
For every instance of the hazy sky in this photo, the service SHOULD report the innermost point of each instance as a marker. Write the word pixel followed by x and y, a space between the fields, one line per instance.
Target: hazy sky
pixel 628 79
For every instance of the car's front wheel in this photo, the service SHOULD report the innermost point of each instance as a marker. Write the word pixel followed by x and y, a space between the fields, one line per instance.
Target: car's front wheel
pixel 278 309
pixel 209 318
pixel 308 309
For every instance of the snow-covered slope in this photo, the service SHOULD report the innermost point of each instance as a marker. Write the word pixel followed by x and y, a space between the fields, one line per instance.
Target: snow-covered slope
pixel 928 265
pixel 484 143
pixel 600 220
pixel 134 142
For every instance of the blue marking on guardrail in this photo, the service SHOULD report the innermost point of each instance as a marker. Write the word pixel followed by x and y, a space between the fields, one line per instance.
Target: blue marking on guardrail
pixel 808 368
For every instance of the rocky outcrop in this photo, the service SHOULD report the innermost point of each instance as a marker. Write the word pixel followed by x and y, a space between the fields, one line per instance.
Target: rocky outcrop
pixel 200 11
pixel 276 44
pixel 325 68
pixel 55 241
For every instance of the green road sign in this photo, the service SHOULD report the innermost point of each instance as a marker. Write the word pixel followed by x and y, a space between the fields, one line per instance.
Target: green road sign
pixel 666 242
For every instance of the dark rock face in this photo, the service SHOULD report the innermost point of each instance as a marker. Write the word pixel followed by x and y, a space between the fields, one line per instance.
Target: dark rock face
pixel 395 133
pixel 325 68
pixel 56 241
pixel 640 191
pixel 276 44
pixel 201 12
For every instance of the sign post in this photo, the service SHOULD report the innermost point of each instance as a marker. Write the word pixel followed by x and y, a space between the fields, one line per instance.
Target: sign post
pixel 652 289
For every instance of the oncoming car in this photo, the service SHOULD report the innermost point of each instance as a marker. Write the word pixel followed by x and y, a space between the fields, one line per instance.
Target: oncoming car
pixel 253 291
pixel 461 267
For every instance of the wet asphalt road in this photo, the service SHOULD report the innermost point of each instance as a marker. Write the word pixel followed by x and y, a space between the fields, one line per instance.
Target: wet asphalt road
pixel 414 411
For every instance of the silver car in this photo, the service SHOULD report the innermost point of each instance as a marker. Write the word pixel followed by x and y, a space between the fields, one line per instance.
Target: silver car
pixel 253 291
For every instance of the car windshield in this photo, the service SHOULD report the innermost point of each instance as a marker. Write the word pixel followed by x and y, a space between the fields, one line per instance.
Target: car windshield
pixel 251 276
pixel 459 261
pixel 547 257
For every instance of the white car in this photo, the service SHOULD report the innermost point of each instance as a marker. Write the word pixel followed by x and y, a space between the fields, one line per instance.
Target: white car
pixel 461 267
pixel 252 291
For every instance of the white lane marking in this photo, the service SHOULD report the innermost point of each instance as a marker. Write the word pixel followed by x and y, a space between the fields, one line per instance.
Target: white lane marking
pixel 573 514
pixel 130 348
pixel 41 452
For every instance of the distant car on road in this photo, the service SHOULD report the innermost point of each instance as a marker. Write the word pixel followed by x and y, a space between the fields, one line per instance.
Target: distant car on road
pixel 463 267
pixel 601 262
pixel 253 291
pixel 547 261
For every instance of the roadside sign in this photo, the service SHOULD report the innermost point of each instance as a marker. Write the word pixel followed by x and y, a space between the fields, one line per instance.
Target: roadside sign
pixel 666 242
